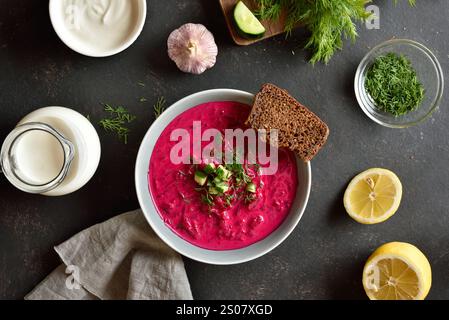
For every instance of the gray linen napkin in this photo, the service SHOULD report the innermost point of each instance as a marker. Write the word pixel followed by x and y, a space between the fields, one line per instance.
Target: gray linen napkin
pixel 121 258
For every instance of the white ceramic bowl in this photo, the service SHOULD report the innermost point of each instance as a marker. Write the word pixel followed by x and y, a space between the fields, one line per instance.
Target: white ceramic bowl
pixel 166 234
pixel 59 25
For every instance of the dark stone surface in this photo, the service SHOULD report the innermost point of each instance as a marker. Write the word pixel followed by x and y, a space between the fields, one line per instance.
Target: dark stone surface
pixel 324 256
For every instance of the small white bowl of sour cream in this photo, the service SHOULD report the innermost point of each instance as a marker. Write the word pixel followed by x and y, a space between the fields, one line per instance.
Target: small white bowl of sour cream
pixel 98 28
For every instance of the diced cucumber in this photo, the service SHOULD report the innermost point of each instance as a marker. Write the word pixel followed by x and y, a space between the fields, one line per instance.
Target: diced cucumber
pixel 251 187
pixel 228 176
pixel 223 173
pixel 213 191
pixel 246 22
pixel 209 168
pixel 200 178
pixel 222 187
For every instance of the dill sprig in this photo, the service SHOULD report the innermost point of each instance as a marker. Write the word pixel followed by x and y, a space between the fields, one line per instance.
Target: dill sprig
pixel 159 107
pixel 117 121
pixel 393 84
pixel 269 9
pixel 329 21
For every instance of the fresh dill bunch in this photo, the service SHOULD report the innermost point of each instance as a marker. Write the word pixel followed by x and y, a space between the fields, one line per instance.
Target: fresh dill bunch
pixel 159 107
pixel 119 117
pixel 329 21
pixel 269 9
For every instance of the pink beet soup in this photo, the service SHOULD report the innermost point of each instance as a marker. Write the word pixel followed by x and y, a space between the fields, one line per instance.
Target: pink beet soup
pixel 234 219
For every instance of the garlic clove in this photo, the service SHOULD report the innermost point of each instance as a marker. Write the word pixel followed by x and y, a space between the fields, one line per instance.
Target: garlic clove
pixel 192 47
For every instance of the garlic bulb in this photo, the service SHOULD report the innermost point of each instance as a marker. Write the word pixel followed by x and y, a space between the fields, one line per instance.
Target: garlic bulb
pixel 192 47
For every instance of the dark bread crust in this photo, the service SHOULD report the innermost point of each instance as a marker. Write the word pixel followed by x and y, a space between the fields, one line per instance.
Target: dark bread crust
pixel 300 130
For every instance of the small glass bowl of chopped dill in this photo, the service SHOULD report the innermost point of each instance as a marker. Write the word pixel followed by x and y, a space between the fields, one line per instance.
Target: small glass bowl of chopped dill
pixel 399 83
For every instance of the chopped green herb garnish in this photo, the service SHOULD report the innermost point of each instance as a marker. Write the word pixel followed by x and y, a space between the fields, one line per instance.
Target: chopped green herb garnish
pixel 207 199
pixel 237 169
pixel 228 199
pixel 250 197
pixel 119 117
pixel 143 99
pixel 224 182
pixel 159 107
pixel 141 84
pixel 393 84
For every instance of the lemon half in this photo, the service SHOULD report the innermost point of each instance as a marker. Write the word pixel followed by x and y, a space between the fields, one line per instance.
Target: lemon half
pixel 373 196
pixel 397 271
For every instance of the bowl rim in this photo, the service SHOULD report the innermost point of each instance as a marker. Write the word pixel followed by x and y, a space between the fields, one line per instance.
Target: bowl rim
pixel 140 22
pixel 364 64
pixel 141 169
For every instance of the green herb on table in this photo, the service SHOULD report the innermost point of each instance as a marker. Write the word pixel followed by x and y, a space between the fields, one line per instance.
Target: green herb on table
pixel 159 107
pixel 143 99
pixel 393 84
pixel 329 21
pixel 141 84
pixel 117 121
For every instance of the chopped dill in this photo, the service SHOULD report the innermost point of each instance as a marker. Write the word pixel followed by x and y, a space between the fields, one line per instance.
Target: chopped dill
pixel 393 84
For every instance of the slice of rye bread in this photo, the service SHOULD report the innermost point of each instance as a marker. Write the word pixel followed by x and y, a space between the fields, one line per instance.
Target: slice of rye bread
pixel 300 130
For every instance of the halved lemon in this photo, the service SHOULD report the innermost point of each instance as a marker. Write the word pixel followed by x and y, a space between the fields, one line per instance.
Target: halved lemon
pixel 373 196
pixel 397 271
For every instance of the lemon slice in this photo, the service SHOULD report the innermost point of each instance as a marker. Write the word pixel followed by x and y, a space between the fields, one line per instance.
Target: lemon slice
pixel 373 196
pixel 397 271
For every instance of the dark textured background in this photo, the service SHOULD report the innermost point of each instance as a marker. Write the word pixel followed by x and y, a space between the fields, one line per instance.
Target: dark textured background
pixel 324 256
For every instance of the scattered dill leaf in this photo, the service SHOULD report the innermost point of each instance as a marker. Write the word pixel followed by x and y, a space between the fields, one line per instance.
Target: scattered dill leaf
pixel 159 107
pixel 249 197
pixel 207 198
pixel 143 99
pixel 184 198
pixel 117 121
pixel 141 84
pixel 228 199
pixel 393 84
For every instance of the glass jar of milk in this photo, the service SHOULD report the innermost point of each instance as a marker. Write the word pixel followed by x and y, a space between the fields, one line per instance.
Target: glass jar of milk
pixel 53 151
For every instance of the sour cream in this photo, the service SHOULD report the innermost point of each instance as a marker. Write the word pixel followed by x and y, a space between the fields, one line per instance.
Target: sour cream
pixel 98 27
pixel 39 157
